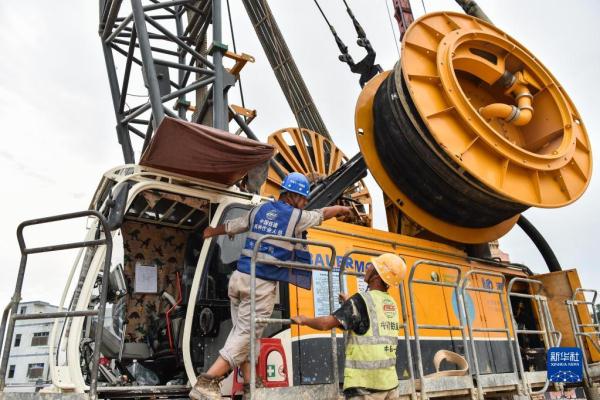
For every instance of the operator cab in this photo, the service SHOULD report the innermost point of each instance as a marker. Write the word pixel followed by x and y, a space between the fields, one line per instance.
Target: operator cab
pixel 163 276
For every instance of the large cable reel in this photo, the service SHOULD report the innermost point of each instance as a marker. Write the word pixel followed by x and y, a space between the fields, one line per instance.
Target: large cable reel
pixel 308 152
pixel 469 130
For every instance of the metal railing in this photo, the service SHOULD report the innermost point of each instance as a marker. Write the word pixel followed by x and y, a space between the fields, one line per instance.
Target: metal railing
pixel 551 337
pixel 291 265
pixel 505 329
pixel 10 315
pixel 461 327
pixel 404 324
pixel 579 329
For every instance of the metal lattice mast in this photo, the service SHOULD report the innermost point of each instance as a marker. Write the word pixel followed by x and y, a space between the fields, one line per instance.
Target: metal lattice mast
pixel 286 71
pixel 160 48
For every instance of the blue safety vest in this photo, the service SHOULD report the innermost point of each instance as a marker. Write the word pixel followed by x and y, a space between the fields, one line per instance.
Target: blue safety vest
pixel 275 218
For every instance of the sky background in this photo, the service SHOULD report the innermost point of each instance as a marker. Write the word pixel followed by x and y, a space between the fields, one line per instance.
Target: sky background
pixel 58 133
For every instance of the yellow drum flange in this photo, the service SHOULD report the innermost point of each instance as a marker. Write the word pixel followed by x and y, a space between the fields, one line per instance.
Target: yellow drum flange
pixel 454 66
pixel 490 112
pixel 366 140
pixel 310 153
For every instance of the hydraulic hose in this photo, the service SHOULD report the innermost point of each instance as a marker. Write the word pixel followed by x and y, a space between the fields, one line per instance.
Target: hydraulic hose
pixel 434 184
pixel 541 244
pixel 428 181
pixel 518 115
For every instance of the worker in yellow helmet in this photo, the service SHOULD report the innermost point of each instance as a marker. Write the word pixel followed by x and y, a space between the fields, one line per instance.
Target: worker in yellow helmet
pixel 372 321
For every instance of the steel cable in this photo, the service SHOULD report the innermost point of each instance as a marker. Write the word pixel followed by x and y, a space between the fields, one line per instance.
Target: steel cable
pixel 235 51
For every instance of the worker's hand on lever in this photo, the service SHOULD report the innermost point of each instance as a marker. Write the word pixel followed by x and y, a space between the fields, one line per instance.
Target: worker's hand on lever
pixel 336 211
pixel 346 210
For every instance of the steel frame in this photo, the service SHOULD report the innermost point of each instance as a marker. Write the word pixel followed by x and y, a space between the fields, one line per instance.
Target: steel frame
pixel 551 337
pixel 289 264
pixel 286 71
pixel 464 286
pixel 10 315
pixel 585 334
pixel 461 327
pixel 155 40
pixel 162 43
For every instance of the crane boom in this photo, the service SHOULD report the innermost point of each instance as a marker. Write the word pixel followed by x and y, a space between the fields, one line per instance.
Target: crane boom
pixel 293 86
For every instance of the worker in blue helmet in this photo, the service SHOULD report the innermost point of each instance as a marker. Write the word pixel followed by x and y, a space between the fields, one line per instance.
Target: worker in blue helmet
pixel 287 218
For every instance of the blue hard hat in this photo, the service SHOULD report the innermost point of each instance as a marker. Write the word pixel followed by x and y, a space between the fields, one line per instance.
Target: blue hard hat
pixel 296 183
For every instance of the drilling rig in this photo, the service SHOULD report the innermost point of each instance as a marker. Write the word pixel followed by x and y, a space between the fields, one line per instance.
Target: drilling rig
pixel 467 131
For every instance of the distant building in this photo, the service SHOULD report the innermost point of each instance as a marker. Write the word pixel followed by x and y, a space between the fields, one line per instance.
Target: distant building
pixel 28 362
pixel 497 252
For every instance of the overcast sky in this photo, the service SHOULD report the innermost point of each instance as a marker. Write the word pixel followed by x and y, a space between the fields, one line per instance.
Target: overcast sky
pixel 58 132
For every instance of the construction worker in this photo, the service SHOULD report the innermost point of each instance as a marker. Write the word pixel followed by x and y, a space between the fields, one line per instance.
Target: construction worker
pixel 286 218
pixel 372 321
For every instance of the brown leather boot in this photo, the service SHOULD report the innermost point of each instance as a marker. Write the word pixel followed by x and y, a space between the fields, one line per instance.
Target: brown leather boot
pixel 206 388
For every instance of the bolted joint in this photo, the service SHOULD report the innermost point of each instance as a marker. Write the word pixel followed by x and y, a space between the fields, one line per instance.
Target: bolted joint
pixel 363 42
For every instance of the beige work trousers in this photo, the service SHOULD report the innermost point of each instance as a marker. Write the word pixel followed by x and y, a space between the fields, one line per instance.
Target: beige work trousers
pixel 393 394
pixel 237 347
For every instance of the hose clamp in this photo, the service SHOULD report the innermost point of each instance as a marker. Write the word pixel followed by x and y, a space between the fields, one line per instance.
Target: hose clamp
pixel 527 108
pixel 513 115
pixel 517 97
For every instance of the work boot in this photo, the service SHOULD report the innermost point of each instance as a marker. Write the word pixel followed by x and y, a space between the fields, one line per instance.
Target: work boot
pixel 207 387
pixel 259 384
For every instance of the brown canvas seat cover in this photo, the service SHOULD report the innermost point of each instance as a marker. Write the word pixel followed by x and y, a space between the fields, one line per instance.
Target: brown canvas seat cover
pixel 203 152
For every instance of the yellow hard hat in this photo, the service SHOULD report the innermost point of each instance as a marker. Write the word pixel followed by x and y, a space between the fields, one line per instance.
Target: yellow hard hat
pixel 390 268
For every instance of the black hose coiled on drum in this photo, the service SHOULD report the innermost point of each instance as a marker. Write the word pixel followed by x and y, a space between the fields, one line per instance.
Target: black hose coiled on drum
pixel 420 172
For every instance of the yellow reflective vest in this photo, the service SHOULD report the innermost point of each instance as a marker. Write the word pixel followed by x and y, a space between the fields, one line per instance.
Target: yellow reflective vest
pixel 371 358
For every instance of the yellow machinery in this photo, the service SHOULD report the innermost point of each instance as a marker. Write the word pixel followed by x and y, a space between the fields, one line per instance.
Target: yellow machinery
pixel 469 130
pixel 466 132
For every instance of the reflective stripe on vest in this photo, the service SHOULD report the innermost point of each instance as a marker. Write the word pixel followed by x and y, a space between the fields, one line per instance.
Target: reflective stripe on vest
pixel 371 358
pixel 390 362
pixel 278 219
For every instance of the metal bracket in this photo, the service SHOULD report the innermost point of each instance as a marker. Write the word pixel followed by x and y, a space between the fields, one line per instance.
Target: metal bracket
pixel 217 46
pixel 240 62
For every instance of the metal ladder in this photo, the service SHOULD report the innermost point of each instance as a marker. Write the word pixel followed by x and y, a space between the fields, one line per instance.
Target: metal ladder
pixel 551 337
pixel 481 380
pixel 579 328
pixel 296 265
pixel 10 316
pixel 412 389
pixel 457 383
